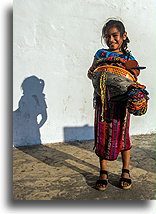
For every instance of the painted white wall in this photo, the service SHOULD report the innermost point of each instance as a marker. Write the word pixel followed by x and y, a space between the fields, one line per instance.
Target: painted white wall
pixel 55 41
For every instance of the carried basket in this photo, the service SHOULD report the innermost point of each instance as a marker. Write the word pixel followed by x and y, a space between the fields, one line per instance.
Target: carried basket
pixel 117 80
pixel 120 85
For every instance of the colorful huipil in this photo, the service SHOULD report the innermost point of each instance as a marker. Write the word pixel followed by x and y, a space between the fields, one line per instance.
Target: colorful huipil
pixel 112 119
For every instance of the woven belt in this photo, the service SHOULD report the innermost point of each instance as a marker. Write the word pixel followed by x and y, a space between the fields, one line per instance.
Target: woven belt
pixel 116 70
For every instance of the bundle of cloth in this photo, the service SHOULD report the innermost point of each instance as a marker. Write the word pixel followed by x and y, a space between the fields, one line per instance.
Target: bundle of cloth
pixel 124 88
pixel 137 99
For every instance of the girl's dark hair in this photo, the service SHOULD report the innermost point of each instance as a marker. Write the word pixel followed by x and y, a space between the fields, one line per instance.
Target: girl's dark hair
pixel 121 28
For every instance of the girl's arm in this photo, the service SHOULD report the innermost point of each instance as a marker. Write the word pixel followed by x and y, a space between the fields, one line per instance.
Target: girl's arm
pixel 92 68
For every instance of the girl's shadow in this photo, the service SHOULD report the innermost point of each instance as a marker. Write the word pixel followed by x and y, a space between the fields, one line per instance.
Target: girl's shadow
pixel 31 113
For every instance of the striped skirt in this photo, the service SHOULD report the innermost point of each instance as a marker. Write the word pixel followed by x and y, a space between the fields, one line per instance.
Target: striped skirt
pixel 112 135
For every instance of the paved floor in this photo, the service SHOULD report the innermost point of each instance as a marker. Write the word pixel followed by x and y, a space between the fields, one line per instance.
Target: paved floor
pixel 68 171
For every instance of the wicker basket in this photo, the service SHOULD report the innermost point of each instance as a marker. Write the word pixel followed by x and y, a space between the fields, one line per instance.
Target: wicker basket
pixel 116 70
pixel 118 80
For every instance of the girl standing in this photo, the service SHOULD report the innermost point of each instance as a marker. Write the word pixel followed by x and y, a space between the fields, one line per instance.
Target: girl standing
pixel 116 129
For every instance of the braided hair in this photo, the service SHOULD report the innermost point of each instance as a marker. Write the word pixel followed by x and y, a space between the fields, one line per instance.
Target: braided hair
pixel 121 28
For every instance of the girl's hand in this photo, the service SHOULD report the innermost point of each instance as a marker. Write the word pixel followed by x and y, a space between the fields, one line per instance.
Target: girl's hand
pixel 92 68
pixel 135 72
pixel 90 74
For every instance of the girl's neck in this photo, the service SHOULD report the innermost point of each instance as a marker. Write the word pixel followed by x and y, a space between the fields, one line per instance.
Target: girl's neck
pixel 116 51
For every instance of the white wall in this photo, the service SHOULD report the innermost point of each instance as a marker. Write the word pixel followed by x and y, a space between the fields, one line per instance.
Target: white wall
pixel 56 41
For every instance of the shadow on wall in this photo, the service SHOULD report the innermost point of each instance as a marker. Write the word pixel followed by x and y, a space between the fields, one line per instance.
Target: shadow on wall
pixel 78 133
pixel 31 113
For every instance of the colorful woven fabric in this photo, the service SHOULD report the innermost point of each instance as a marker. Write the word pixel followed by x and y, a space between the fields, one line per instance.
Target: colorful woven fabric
pixel 103 53
pixel 112 119
pixel 117 61
pixel 112 135
pixel 137 99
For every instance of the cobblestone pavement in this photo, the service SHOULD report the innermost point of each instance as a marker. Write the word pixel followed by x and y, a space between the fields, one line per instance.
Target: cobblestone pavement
pixel 68 171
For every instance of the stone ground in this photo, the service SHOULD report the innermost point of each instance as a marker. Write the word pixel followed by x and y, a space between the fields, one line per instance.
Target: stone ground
pixel 68 171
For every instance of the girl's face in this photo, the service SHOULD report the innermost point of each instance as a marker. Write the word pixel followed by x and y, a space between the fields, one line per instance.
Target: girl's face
pixel 114 39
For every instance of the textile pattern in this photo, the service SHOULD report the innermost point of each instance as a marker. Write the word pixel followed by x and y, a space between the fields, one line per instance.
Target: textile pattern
pixel 112 119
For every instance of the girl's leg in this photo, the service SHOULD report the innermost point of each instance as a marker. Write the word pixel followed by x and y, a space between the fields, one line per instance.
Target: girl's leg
pixel 103 176
pixel 103 164
pixel 126 161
